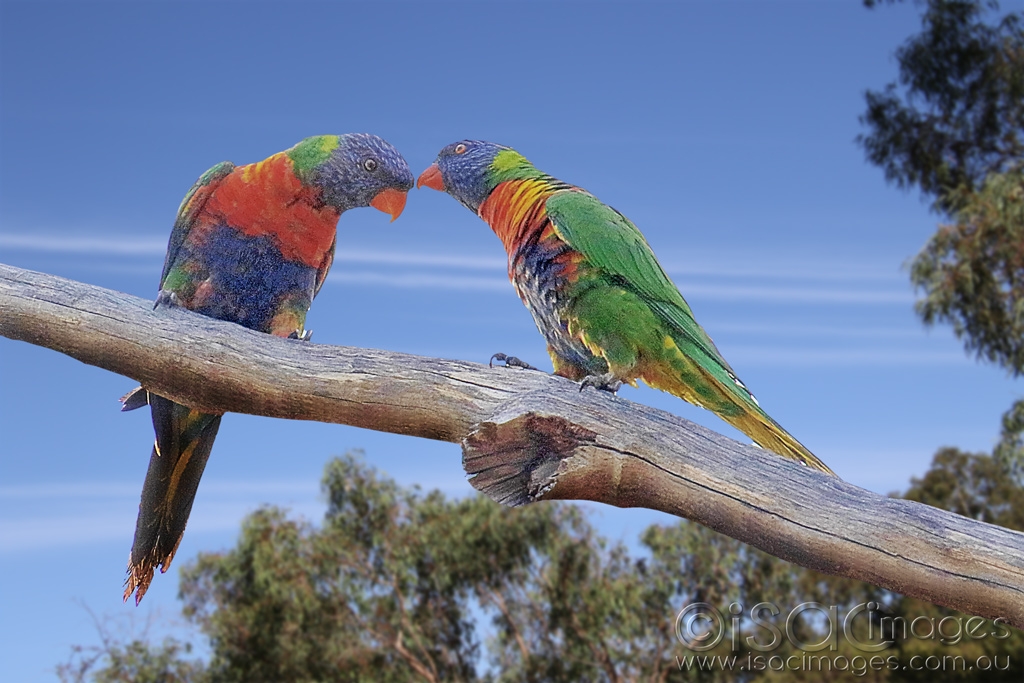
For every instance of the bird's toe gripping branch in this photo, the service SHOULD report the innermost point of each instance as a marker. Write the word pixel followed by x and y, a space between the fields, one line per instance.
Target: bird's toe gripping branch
pixel 510 362
pixel 301 335
pixel 605 382
pixel 167 299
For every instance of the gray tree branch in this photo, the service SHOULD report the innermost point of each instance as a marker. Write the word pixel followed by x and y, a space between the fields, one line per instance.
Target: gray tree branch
pixel 529 436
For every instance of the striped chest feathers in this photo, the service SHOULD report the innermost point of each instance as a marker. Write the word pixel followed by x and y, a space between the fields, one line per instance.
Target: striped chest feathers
pixel 546 287
pixel 543 268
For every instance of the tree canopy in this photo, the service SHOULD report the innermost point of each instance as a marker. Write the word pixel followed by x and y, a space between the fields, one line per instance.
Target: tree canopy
pixel 956 113
pixel 952 126
pixel 400 585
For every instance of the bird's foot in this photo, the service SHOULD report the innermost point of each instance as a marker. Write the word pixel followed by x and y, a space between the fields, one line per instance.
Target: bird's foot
pixel 510 362
pixel 134 399
pixel 606 382
pixel 301 335
pixel 165 298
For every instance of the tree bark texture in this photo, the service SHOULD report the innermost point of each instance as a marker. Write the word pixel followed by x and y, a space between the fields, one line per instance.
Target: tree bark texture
pixel 529 436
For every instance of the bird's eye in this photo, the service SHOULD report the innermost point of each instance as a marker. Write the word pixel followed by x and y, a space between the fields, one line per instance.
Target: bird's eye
pixel 460 148
pixel 370 165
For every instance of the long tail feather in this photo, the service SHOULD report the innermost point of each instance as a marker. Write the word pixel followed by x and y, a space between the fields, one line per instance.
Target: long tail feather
pixel 727 397
pixel 184 438
pixel 767 433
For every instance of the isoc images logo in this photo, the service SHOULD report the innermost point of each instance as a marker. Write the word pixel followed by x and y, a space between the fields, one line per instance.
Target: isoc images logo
pixel 701 627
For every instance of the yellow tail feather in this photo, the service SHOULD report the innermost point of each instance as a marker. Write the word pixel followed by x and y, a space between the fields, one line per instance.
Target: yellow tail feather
pixel 766 433
pixel 680 376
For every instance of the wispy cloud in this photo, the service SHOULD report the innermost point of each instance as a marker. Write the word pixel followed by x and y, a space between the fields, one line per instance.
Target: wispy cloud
pixel 785 330
pixel 114 490
pixel 443 271
pixel 65 490
pixel 102 246
pixel 695 263
pixel 740 355
pixel 711 292
pixel 420 281
pixel 105 511
pixel 807 294
pixel 136 246
pixel 66 530
pixel 812 268
pixel 466 261
pixel 88 512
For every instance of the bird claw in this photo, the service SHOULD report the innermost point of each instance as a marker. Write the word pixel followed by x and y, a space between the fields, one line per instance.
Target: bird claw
pixel 509 361
pixel 165 298
pixel 303 335
pixel 134 399
pixel 605 382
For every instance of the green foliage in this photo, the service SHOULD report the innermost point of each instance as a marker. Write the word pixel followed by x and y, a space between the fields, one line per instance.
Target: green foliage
pixel 973 271
pixel 135 662
pixel 1010 449
pixel 397 585
pixel 381 592
pixel 952 126
pixel 973 485
pixel 957 112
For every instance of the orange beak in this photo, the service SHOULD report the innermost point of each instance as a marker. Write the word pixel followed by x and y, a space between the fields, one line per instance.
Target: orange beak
pixel 431 178
pixel 390 201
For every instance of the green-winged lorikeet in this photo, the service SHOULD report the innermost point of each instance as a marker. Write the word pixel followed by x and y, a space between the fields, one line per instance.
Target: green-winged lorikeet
pixel 605 306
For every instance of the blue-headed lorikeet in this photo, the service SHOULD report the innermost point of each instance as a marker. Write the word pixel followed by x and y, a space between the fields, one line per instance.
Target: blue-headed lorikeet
pixel 605 306
pixel 252 245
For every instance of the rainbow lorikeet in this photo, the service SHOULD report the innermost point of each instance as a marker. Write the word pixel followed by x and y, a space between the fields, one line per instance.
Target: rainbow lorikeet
pixel 605 306
pixel 252 245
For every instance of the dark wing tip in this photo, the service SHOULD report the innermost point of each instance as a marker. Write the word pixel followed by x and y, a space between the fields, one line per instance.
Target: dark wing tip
pixel 139 577
pixel 140 573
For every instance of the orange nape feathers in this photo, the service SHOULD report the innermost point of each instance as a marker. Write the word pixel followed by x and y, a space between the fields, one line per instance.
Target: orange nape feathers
pixel 515 208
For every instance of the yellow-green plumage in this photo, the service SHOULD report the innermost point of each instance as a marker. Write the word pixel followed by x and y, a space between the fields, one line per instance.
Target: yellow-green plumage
pixel 633 317
pixel 599 295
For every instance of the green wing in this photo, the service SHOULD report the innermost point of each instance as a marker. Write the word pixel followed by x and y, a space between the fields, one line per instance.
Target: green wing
pixel 610 242
pixel 190 207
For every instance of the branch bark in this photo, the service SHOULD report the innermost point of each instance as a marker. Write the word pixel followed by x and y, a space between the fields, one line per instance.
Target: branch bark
pixel 529 436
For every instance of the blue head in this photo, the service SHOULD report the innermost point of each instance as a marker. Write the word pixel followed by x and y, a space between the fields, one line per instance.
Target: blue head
pixel 354 170
pixel 469 170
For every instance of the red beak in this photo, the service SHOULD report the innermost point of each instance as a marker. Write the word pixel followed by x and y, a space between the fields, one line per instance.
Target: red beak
pixel 390 201
pixel 431 178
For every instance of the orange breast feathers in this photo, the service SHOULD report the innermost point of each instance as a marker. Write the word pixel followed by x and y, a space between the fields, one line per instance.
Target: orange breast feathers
pixel 515 209
pixel 267 198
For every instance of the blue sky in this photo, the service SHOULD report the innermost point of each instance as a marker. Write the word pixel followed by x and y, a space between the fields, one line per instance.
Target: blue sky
pixel 725 131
